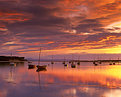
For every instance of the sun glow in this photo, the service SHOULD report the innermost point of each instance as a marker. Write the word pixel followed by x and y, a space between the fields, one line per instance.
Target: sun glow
pixel 116 24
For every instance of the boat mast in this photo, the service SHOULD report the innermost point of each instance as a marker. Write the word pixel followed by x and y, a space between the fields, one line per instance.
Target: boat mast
pixel 39 57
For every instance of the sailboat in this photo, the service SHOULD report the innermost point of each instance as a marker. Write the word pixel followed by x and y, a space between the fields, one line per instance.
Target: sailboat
pixel 52 62
pixel 95 64
pixel 72 63
pixel 40 67
pixel 78 62
pixel 30 65
pixel 64 61
pixel 12 63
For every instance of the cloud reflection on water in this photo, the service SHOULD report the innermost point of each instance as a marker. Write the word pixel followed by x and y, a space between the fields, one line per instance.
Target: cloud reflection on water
pixel 87 81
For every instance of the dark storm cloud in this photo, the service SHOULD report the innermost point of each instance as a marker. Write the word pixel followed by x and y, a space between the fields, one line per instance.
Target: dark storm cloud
pixel 59 23
pixel 40 17
pixel 88 24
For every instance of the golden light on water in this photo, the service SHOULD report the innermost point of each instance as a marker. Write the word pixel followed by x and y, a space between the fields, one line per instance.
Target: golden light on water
pixel 107 76
pixel 115 93
pixel 103 79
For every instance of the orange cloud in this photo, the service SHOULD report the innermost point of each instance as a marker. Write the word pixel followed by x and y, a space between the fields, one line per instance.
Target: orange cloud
pixel 12 17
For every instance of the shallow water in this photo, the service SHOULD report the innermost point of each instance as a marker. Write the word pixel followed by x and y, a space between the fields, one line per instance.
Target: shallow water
pixel 86 80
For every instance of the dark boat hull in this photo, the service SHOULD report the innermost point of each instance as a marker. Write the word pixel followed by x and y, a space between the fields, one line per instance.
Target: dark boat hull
pixel 78 63
pixel 31 66
pixel 65 65
pixel 52 62
pixel 73 66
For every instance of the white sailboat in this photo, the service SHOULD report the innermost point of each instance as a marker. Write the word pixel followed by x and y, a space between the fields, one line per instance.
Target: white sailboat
pixel 12 63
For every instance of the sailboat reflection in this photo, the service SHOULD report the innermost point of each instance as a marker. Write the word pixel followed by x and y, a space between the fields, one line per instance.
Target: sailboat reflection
pixel 10 77
pixel 41 69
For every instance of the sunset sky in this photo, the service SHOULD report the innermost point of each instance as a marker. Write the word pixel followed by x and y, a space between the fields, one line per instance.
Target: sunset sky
pixel 61 28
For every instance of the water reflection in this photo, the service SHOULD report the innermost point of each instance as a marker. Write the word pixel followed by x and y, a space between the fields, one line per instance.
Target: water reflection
pixel 58 80
pixel 41 69
pixel 10 76
pixel 3 64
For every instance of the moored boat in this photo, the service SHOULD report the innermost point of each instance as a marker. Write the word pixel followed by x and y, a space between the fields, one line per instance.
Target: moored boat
pixel 30 65
pixel 65 65
pixel 73 66
pixel 11 63
pixel 95 64
pixel 63 62
pixel 78 63
pixel 110 63
pixel 114 63
pixel 40 66
pixel 52 62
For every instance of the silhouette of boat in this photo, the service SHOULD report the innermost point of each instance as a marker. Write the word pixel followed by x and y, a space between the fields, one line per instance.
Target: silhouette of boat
pixel 95 63
pixel 30 65
pixel 65 65
pixel 73 66
pixel 72 63
pixel 78 63
pixel 69 62
pixel 114 63
pixel 63 62
pixel 100 62
pixel 110 63
pixel 40 66
pixel 12 64
pixel 52 62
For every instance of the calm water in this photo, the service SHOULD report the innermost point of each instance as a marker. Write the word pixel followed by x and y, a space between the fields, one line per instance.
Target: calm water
pixel 85 80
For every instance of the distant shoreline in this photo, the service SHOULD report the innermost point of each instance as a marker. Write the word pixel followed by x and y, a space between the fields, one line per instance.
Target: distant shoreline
pixel 79 60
